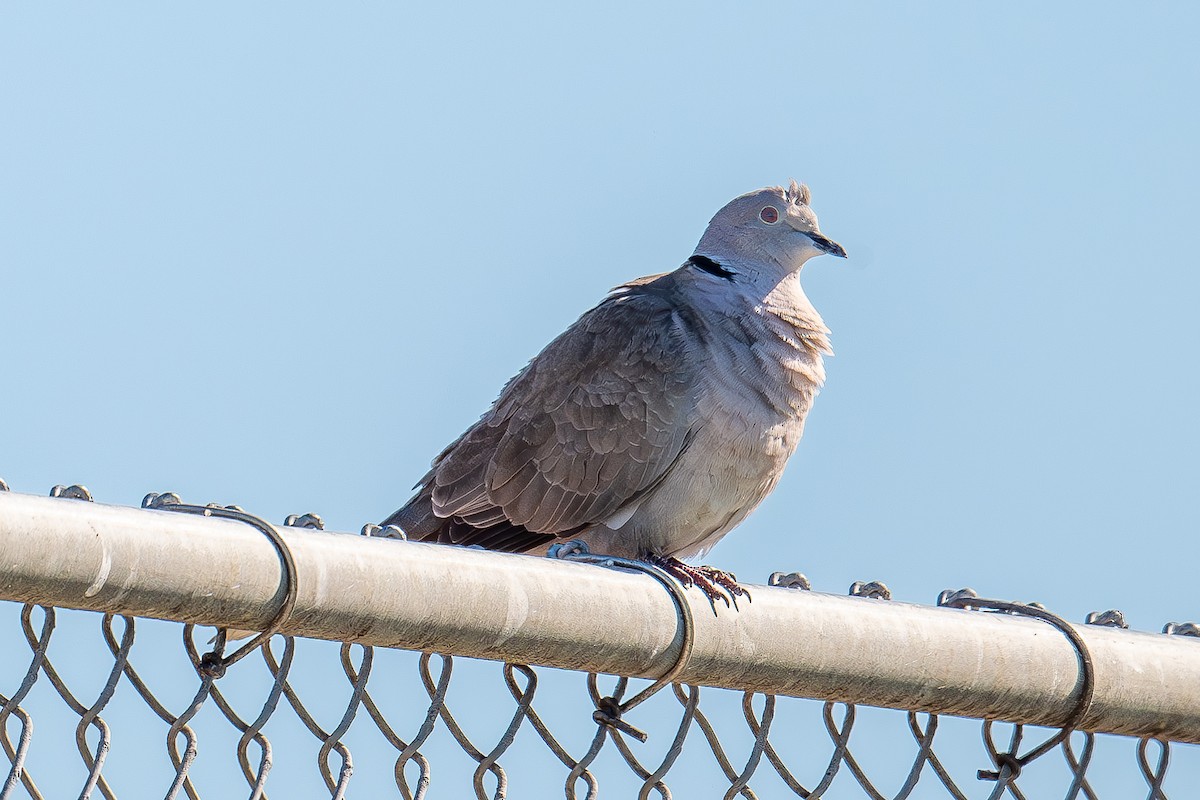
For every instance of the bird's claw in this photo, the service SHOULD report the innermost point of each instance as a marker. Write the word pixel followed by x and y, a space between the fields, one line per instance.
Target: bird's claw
pixel 716 584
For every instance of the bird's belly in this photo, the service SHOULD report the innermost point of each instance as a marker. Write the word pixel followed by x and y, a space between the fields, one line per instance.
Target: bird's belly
pixel 726 472
pixel 749 419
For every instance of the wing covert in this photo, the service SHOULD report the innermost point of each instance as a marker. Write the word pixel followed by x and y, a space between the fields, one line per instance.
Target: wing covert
pixel 592 422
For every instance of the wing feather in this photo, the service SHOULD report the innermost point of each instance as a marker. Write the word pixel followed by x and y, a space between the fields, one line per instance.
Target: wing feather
pixel 595 420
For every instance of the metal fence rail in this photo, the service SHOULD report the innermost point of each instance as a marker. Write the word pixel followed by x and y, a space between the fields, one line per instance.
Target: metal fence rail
pixel 369 592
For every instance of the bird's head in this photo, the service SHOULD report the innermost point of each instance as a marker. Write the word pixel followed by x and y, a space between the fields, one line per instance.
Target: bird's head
pixel 773 225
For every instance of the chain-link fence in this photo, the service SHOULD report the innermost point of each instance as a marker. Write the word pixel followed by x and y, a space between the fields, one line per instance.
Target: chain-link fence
pixel 152 708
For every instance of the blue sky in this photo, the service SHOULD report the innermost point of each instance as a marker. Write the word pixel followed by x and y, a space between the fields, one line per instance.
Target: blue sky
pixel 279 255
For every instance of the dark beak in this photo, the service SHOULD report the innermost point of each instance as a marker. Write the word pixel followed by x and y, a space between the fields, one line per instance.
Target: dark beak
pixel 828 245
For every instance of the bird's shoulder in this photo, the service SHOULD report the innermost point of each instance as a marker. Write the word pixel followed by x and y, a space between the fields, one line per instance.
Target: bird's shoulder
pixel 655 283
pixel 640 338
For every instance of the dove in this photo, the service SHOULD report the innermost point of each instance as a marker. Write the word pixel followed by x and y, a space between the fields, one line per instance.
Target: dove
pixel 661 418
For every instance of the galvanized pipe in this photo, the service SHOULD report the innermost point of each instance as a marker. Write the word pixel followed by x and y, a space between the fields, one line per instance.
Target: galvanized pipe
pixel 76 554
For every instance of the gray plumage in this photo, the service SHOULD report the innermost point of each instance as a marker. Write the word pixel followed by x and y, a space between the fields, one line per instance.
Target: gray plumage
pixel 662 417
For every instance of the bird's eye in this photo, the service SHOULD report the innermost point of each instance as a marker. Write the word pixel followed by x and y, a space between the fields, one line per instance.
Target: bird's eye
pixel 769 215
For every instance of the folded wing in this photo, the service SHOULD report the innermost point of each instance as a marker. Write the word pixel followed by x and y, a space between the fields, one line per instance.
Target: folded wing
pixel 597 419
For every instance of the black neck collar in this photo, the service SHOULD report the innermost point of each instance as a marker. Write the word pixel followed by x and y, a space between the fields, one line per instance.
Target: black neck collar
pixel 706 264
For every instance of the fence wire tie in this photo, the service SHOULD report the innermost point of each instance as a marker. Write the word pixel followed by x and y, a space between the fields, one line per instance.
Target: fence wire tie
pixel 609 709
pixel 1010 764
pixel 214 663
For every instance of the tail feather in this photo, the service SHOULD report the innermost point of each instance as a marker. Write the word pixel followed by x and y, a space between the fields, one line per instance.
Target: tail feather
pixel 420 524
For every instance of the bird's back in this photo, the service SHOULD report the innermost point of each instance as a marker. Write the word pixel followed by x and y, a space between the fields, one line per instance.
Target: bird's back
pixel 592 423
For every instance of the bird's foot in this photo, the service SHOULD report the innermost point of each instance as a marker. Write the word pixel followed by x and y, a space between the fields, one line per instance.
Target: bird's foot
pixel 715 583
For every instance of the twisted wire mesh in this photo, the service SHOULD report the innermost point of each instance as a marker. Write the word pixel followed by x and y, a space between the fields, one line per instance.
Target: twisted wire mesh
pixel 293 718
